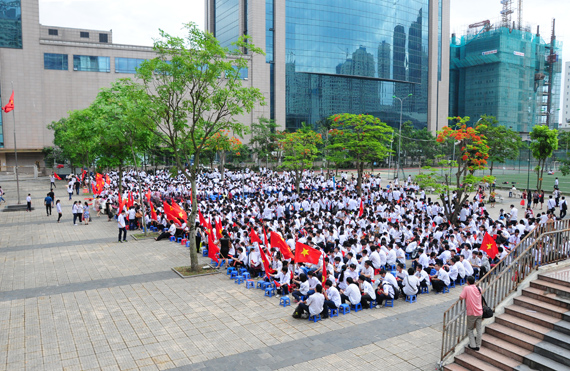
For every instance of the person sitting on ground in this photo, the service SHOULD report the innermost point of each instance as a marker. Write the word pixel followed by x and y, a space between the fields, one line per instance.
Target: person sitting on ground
pixel 312 306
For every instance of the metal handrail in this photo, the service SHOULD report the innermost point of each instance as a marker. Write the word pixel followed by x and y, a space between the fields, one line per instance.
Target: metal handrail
pixel 543 245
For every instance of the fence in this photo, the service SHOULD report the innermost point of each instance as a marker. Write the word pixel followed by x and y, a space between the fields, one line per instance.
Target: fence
pixel 543 245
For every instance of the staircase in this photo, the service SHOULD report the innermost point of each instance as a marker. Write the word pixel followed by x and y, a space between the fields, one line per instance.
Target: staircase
pixel 532 334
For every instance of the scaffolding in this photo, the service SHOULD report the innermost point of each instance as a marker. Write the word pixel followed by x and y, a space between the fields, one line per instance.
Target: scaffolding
pixel 506 73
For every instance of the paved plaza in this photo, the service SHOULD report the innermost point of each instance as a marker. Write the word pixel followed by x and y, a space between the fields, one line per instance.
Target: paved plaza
pixel 73 298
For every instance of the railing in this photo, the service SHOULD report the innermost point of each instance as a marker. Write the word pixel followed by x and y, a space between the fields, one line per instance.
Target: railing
pixel 543 245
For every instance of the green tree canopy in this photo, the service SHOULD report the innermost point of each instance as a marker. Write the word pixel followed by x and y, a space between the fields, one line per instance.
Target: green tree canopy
pixel 544 143
pixel 504 143
pixel 300 151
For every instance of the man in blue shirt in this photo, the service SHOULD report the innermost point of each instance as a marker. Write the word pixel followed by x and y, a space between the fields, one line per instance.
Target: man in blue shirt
pixel 48 201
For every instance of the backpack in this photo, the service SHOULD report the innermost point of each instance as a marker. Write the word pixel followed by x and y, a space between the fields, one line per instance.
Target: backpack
pixel 396 291
pixel 414 254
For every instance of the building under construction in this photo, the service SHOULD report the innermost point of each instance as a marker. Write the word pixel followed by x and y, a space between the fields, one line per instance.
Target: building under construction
pixel 507 72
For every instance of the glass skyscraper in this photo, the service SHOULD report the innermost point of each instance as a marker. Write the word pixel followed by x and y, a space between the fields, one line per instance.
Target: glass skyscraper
pixel 332 56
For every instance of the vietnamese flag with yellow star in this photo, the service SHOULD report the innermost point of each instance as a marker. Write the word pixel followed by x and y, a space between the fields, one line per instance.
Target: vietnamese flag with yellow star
pixel 306 254
pixel 489 246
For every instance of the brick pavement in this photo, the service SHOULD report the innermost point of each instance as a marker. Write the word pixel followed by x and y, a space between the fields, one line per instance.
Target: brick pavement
pixel 73 298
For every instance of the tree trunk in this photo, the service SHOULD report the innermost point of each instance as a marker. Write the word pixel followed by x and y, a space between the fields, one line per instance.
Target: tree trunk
pixel 491 168
pixel 192 218
pixel 121 179
pixel 145 230
pixel 360 170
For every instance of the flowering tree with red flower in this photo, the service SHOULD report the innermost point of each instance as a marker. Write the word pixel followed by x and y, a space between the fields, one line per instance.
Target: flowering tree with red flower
pixel 473 153
pixel 358 138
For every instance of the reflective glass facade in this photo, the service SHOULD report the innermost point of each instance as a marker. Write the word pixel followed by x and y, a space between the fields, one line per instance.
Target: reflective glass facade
pixel 227 18
pixel 91 63
pixel 56 62
pixel 353 56
pixel 10 24
pixel 127 65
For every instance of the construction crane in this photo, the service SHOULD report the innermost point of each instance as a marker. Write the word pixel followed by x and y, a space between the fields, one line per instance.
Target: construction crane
pixel 486 24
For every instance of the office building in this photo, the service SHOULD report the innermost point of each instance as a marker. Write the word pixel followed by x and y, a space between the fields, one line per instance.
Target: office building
pixel 565 122
pixel 330 56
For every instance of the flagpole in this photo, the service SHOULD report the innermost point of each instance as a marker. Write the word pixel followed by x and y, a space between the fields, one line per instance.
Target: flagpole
pixel 16 151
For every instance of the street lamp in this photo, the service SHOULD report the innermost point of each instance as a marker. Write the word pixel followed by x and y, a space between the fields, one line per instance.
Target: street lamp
pixel 400 135
pixel 528 169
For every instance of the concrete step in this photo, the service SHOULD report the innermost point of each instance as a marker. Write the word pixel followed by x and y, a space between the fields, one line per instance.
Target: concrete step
pixel 454 367
pixel 533 316
pixel 512 336
pixel 522 325
pixel 540 306
pixel 474 364
pixel 542 363
pixel 561 277
pixel 494 358
pixel 553 352
pixel 547 297
pixel 558 338
pixel 506 348
pixel 554 288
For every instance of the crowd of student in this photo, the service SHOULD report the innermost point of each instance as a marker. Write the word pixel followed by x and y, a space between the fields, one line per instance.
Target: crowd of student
pixel 364 239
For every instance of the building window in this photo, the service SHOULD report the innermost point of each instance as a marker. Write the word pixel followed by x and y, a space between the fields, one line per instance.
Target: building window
pixel 91 63
pixel 11 24
pixel 55 62
pixel 84 35
pixel 127 65
pixel 242 72
pixel 52 32
pixel 103 38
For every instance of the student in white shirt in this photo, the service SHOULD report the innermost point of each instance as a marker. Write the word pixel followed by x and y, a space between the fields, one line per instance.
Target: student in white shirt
pixel 332 298
pixel 385 292
pixel 440 279
pixel 422 276
pixel 410 283
pixel 312 306
pixel 367 292
pixel 303 287
pixel 351 293
pixel 284 278
pixel 122 226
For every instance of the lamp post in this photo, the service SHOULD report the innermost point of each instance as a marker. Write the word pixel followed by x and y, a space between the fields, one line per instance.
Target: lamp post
pixel 400 134
pixel 528 168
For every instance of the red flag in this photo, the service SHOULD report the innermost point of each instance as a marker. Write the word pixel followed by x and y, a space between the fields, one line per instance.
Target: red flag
pixel 218 228
pixel 265 261
pixel 324 270
pixel 307 254
pixel 180 213
pixel 152 212
pixel 489 246
pixel 253 237
pixel 361 211
pixel 107 179
pixel 213 249
pixel 56 176
pixel 147 195
pixel 130 199
pixel 83 174
pixel 10 106
pixel 169 211
pixel 277 241
pixel 203 221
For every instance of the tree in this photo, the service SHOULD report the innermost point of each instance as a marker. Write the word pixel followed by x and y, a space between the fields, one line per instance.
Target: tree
pixel 419 143
pixel 544 143
pixel 300 150
pixel 504 143
pixel 265 138
pixel 564 140
pixel 362 137
pixel 194 89
pixel 221 143
pixel 472 155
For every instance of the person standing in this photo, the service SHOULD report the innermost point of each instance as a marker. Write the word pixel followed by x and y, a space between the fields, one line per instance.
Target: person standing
pixel 474 308
pixel 48 202
pixel 52 180
pixel 563 207
pixel 122 226
pixel 58 208
pixel 70 189
pixel 86 213
pixel 2 195
pixel 29 202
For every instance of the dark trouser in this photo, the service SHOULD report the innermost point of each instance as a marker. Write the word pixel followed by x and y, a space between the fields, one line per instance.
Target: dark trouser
pixel 124 232
pixel 283 290
pixel 562 214
pixel 423 283
pixel 132 224
pixel 297 295
pixel 254 271
pixel 302 308
pixel 29 206
pixel 60 215
pixel 70 194
pixel 48 209
pixel 53 185
pixel 380 298
pixel 438 285
pixel 74 218
pixel 365 300
pixel 344 298
pixel 328 304
pixel 198 242
pixel 77 190
pixel 163 235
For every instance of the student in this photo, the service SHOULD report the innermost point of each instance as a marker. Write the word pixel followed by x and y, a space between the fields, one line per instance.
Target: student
pixel 367 292
pixel 474 308
pixel 351 293
pixel 240 260
pixel 70 190
pixel 122 226
pixel 284 278
pixel 440 279
pixel 86 213
pixel 312 306
pixel 410 283
pixel 385 292
pixel 29 202
pixel 422 276
pixel 332 298
pixel 303 287
pixel 59 212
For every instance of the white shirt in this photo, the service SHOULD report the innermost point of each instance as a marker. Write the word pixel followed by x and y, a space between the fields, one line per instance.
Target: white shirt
pixel 316 303
pixel 121 221
pixel 411 284
pixel 390 278
pixel 353 293
pixel 442 275
pixel 334 296
pixel 368 289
